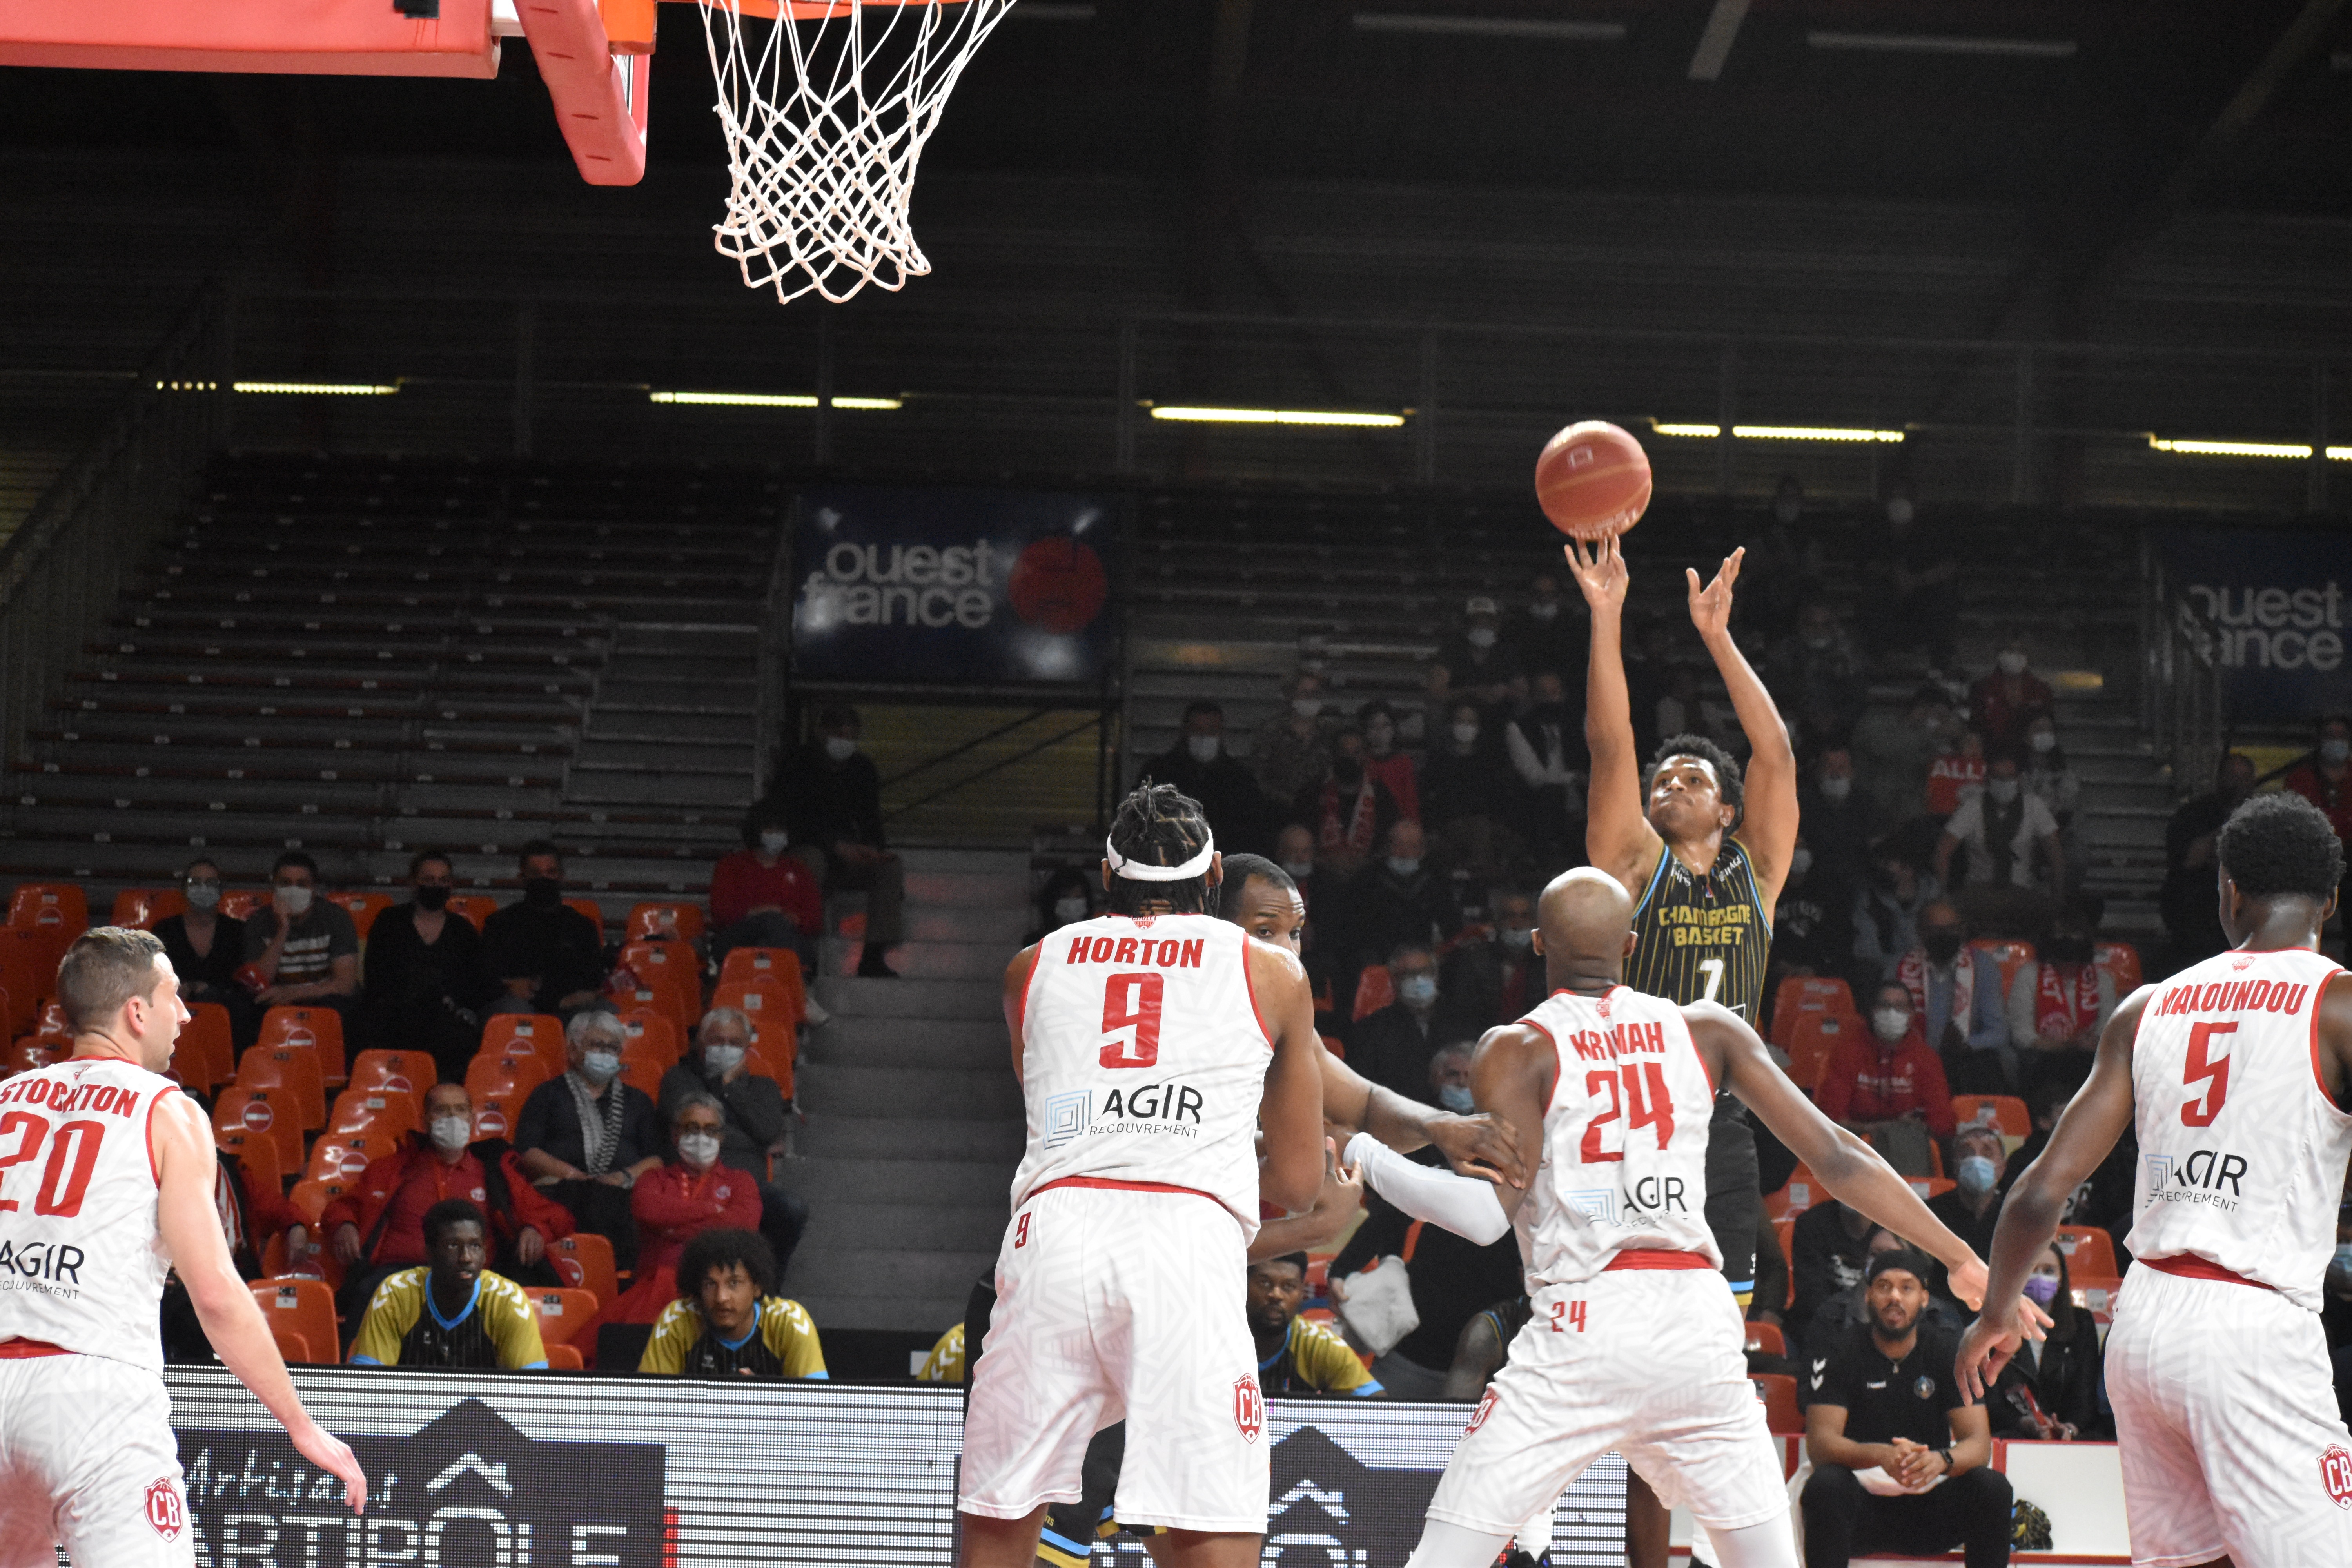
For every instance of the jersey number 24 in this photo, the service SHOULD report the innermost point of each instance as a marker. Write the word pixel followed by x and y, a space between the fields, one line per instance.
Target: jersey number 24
pixel 1646 1104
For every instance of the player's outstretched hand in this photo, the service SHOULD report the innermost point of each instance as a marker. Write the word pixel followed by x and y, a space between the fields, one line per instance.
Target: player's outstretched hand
pixel 1599 569
pixel 1968 1284
pixel 1483 1145
pixel 334 1456
pixel 1991 1339
pixel 1710 607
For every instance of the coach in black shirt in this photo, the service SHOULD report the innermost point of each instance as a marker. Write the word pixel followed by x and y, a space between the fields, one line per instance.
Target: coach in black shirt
pixel 1900 1459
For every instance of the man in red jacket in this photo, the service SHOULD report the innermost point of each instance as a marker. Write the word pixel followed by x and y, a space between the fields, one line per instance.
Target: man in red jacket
pixel 379 1225
pixel 1888 1087
pixel 763 896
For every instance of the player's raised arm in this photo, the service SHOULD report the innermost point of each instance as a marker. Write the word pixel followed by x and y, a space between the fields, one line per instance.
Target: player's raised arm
pixel 1481 1145
pixel 1769 814
pixel 1617 837
pixel 2086 1131
pixel 1290 1116
pixel 190 1227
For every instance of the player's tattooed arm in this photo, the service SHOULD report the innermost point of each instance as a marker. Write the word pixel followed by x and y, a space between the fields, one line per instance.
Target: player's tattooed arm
pixel 2086 1131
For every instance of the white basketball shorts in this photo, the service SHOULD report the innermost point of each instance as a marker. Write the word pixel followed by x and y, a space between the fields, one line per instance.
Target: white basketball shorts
pixel 1120 1305
pixel 1646 1362
pixel 87 1456
pixel 2232 1441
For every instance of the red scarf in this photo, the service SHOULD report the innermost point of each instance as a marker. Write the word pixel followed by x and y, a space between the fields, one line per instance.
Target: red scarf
pixel 1354 836
pixel 2056 1012
pixel 1912 971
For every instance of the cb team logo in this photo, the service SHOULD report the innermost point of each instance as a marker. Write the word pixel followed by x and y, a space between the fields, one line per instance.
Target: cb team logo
pixel 1249 1407
pixel 1478 1417
pixel 2335 1473
pixel 168 1517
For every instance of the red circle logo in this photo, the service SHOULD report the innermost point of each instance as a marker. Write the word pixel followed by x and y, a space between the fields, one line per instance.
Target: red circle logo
pixel 1058 584
pixel 257 1116
pixel 163 1511
pixel 1249 1407
pixel 1478 1417
pixel 2336 1474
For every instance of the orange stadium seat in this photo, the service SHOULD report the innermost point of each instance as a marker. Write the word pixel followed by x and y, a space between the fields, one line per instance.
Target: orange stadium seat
pixel 1786 1230
pixel 1802 1191
pixel 29 1055
pixel 2090 1252
pixel 313 1195
pixel 475 907
pixel 256 1153
pixel 388 1110
pixel 411 1072
pixel 1816 1037
pixel 507 1078
pixel 51 1023
pixel 563 1358
pixel 1777 1394
pixel 2004 1112
pixel 1374 991
pixel 207 1052
pixel 645 1073
pixel 664 919
pixel 1766 1338
pixel 494 1114
pixel 540 1034
pixel 760 1063
pixel 57 906
pixel 747 963
pixel 585 1261
pixel 315 1262
pixel 300 1304
pixel 766 1001
pixel 237 903
pixel 1336 1045
pixel 662 965
pixel 293 1349
pixel 1802 996
pixel 140 908
pixel 667 1002
pixel 269 1114
pixel 652 1034
pixel 27 973
pixel 293 1068
pixel 2010 956
pixel 363 907
pixel 589 909
pixel 562 1313
pixel 320 1028
pixel 344 1157
pixel 2120 959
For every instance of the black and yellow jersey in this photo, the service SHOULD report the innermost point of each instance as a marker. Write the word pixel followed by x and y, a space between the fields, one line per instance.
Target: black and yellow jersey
pixel 1313 1359
pixel 945 1364
pixel 780 1343
pixel 403 1326
pixel 1702 938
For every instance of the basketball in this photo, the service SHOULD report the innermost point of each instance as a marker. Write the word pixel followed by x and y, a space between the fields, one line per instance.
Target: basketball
pixel 1593 480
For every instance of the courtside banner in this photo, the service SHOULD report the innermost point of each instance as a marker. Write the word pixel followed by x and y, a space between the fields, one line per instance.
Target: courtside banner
pixel 2275 601
pixel 950 585
pixel 522 1471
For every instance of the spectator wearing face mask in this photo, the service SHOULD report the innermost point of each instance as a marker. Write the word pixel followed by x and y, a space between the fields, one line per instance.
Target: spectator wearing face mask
pixel 699 1190
pixel 1957 1005
pixel 205 950
pixel 1496 980
pixel 1476 666
pixel 1294 851
pixel 1893 753
pixel 2006 703
pixel 2049 1393
pixel 763 896
pixel 1956 777
pixel 1546 745
pixel 2192 920
pixel 832 796
pixel 1886 912
pixel 425 985
pixel 545 956
pixel 1293 749
pixel 1199 765
pixel 2050 778
pixel 2010 839
pixel 586 1137
pixel 1064 899
pixel 752 1114
pixel 1888 1087
pixel 2324 779
pixel 1399 901
pixel 1449 1078
pixel 1392 1046
pixel 1841 824
pixel 1383 759
pixel 1467 788
pixel 1817 674
pixel 1910 584
pixel 303 950
pixel 1350 813
pixel 2059 1003
pixel 1973 1205
pixel 377 1227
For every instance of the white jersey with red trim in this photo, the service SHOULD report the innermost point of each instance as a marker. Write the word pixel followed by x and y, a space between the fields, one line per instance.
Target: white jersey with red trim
pixel 1624 1147
pixel 1142 1059
pixel 81 1260
pixel 2242 1154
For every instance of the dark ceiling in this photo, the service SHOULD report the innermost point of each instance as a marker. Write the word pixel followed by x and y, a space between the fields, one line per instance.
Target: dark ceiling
pixel 2105 103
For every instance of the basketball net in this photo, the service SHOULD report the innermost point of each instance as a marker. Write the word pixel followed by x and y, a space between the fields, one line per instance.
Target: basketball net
pixel 825 112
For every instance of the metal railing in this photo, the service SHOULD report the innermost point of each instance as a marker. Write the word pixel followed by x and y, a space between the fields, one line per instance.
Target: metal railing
pixel 61 570
pixel 2181 694
pixel 768 709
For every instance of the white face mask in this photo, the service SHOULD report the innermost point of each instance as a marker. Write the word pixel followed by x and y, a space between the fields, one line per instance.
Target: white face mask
pixel 1457 1099
pixel 1837 787
pixel 204 895
pixel 1519 941
pixel 1068 910
pixel 290 900
pixel 1417 990
pixel 1307 706
pixel 699 1149
pixel 1300 869
pixel 600 1067
pixel 2043 739
pixel 1404 864
pixel 719 1061
pixel 1543 609
pixel 840 748
pixel 1891 1024
pixel 1976 1174
pixel 2012 663
pixel 2336 750
pixel 773 840
pixel 1204 747
pixel 451 1134
pixel 2003 791
pixel 1801 860
pixel 1481 636
pixel 1465 734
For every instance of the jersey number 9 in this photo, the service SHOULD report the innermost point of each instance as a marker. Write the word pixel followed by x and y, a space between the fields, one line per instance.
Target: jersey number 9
pixel 1132 1002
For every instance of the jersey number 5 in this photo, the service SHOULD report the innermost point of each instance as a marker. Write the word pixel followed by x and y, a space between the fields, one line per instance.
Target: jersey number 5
pixel 1132 1002
pixel 73 1154
pixel 2211 1071
pixel 1645 1099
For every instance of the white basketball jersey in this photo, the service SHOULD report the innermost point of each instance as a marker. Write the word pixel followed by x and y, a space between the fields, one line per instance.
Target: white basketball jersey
pixel 1143 1059
pixel 2242 1155
pixel 81 1262
pixel 1625 1148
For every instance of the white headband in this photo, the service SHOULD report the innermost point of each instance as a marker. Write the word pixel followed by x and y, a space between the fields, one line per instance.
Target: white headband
pixel 1121 866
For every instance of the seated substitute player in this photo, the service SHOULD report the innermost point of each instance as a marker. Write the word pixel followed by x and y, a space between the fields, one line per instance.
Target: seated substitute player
pixel 1634 1342
pixel 728 1321
pixel 2236 1074
pixel 1296 1356
pixel 452 1312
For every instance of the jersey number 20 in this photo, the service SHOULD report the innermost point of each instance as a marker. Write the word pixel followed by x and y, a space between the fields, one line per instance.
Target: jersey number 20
pixel 1646 1103
pixel 73 1154
pixel 1132 1002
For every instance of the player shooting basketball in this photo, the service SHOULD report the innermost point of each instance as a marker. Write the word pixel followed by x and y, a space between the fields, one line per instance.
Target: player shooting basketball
pixel 1703 852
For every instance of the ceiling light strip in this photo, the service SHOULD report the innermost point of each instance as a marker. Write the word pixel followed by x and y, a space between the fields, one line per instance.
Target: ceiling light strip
pixel 1277 416
pixel 1778 432
pixel 317 388
pixel 770 400
pixel 1936 44
pixel 2286 449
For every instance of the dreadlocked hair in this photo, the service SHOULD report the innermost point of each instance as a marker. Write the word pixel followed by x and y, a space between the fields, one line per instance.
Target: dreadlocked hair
pixel 1160 825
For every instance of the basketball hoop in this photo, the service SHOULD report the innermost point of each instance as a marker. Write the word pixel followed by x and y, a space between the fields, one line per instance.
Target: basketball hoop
pixel 825 117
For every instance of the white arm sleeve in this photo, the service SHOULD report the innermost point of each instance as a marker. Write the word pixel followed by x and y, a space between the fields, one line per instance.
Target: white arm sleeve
pixel 1463 1205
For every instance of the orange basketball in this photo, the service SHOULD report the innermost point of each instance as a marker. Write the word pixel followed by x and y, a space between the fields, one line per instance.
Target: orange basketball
pixel 1593 480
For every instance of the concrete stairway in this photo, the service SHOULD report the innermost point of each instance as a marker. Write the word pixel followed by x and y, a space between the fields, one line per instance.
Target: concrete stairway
pixel 914 1118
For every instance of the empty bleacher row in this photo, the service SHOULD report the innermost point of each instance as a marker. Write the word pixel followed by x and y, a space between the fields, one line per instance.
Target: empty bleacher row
pixel 359 657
